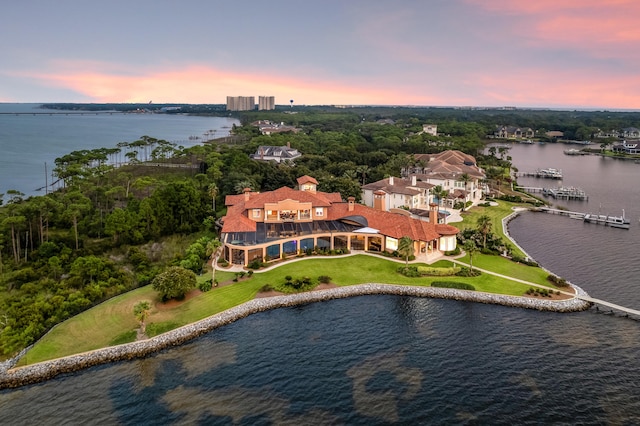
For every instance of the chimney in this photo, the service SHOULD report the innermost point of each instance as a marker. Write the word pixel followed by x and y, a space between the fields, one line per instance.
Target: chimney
pixel 390 180
pixel 379 200
pixel 351 201
pixel 413 180
pixel 247 194
pixel 288 144
pixel 433 213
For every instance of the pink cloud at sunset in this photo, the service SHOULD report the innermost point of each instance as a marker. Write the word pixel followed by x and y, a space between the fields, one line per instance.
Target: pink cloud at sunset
pixel 201 84
pixel 584 24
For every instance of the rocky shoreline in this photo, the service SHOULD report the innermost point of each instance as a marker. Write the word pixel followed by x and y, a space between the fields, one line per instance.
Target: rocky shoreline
pixel 15 377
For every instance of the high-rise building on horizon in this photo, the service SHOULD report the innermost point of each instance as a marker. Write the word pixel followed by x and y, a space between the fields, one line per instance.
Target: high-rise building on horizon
pixel 241 103
pixel 266 102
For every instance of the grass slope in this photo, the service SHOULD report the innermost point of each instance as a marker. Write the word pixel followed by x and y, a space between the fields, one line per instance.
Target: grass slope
pixel 102 325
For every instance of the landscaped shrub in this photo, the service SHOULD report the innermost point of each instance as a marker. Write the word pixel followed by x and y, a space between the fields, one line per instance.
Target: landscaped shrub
pixel 205 285
pixel 256 264
pixel 467 272
pixel 438 272
pixel 266 287
pixel 409 271
pixel 324 279
pixel 557 281
pixel 453 252
pixel 452 284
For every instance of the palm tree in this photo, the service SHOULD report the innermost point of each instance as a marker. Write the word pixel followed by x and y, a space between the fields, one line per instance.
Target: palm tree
pixel 405 248
pixel 240 186
pixel 439 193
pixel 364 171
pixel 465 179
pixel 213 193
pixel 484 226
pixel 142 310
pixel 471 248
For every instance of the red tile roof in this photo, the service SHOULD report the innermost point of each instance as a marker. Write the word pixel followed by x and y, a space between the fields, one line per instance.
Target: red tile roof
pixel 306 179
pixel 389 224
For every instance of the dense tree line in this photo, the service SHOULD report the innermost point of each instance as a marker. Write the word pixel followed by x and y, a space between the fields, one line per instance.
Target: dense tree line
pixel 116 223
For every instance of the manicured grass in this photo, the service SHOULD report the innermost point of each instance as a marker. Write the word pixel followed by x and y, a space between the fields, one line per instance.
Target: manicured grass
pixel 113 321
pixel 496 214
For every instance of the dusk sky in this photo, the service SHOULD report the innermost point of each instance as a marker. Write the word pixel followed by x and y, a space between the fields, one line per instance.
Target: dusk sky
pixel 524 53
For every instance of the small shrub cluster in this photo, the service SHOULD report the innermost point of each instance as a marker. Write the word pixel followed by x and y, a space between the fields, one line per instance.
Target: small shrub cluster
pixel 408 271
pixel 511 198
pixel 266 287
pixel 453 252
pixel 542 292
pixel 453 284
pixel 324 279
pixel 427 271
pixel 524 261
pixel 256 264
pixel 205 285
pixel 557 281
pixel 468 272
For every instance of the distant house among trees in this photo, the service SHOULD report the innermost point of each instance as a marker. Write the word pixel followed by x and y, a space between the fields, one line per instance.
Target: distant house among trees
pixel 454 171
pixel 267 127
pixel 627 147
pixel 277 154
pixel 631 132
pixel 394 193
pixel 430 129
pixel 514 132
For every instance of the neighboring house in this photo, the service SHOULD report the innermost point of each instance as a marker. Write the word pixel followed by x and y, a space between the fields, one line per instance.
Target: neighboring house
pixel 395 193
pixel 628 147
pixel 267 127
pixel 276 153
pixel 430 129
pixel 514 132
pixel 631 132
pixel 446 169
pixel 276 224
pixel 607 134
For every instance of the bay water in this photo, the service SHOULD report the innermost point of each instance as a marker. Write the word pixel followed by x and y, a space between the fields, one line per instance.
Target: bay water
pixel 375 360
pixel 31 140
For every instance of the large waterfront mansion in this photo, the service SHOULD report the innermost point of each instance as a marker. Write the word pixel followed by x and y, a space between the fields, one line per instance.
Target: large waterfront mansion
pixel 275 224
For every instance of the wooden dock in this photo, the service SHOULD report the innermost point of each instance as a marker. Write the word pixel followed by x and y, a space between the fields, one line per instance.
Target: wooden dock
pixel 611 221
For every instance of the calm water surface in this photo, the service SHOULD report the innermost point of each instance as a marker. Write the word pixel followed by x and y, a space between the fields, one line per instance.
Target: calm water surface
pixel 384 359
pixel 29 141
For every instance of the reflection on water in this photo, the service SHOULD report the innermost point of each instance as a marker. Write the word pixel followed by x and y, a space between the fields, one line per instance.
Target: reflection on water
pixel 382 380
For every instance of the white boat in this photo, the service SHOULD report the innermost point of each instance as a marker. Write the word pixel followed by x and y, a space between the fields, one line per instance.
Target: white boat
pixel 612 221
pixel 549 173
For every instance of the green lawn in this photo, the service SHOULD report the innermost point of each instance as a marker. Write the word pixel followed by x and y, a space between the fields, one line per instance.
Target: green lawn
pixel 496 214
pixel 113 321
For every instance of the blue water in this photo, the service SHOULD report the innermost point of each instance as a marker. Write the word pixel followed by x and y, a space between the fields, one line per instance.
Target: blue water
pixel 28 142
pixel 377 360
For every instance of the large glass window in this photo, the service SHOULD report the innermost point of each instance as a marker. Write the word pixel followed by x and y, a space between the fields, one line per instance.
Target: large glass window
pixel 273 252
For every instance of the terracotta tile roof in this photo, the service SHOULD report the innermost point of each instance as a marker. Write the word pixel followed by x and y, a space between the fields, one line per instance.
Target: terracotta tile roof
pixel 399 186
pixel 306 179
pixel 449 164
pixel 389 224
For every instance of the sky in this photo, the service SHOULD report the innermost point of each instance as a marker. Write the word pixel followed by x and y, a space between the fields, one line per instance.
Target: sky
pixel 484 53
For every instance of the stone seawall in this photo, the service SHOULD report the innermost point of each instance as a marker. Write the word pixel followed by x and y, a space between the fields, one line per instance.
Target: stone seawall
pixel 20 376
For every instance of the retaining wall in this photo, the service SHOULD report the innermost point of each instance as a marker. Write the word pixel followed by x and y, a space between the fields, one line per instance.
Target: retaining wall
pixel 20 376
